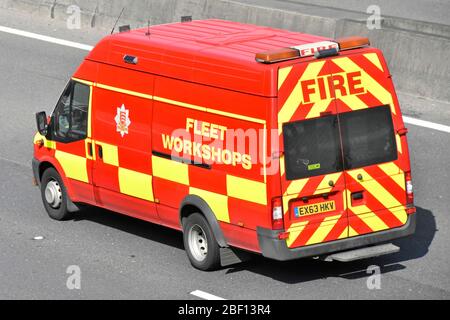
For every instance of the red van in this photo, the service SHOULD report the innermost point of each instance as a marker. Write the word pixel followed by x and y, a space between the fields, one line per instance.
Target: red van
pixel 275 142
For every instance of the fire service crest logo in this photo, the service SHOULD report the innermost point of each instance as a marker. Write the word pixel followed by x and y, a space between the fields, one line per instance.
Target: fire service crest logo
pixel 123 120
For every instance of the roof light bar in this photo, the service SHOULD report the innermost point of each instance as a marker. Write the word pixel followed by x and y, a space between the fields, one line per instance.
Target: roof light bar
pixel 352 42
pixel 277 55
pixel 326 53
pixel 321 49
pixel 310 49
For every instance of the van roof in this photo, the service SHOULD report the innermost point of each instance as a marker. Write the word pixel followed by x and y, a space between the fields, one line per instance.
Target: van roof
pixel 212 52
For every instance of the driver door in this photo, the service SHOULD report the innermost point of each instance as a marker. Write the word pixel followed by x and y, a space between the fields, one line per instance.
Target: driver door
pixel 70 129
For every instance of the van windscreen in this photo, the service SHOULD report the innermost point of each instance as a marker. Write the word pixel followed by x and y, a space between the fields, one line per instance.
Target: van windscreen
pixel 312 148
pixel 368 137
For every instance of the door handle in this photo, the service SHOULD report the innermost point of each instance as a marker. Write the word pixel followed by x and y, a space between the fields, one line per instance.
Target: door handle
pixel 100 151
pixel 357 195
pixel 90 150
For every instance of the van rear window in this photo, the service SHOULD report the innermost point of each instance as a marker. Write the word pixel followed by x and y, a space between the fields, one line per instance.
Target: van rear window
pixel 312 148
pixel 368 137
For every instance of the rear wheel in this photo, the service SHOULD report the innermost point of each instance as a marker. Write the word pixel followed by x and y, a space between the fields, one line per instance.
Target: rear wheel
pixel 200 244
pixel 54 195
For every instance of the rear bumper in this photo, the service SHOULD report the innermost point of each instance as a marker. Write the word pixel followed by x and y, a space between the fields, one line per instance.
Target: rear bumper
pixel 35 165
pixel 274 248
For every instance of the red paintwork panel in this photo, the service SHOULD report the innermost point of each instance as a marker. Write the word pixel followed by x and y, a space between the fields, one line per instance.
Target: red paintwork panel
pixel 76 148
pixel 170 217
pixel 87 71
pixel 212 52
pixel 211 180
pixel 169 193
pixel 130 206
pixel 134 160
pixel 81 192
pixel 106 176
pixel 248 213
pixel 240 237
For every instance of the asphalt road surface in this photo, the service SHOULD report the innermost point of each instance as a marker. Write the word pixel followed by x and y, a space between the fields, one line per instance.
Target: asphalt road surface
pixel 123 258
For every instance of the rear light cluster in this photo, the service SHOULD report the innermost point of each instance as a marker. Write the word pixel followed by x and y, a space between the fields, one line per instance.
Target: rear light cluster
pixel 409 194
pixel 277 214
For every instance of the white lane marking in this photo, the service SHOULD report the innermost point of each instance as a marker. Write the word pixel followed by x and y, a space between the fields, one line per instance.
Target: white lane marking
pixel 427 124
pixel 46 38
pixel 205 295
pixel 416 122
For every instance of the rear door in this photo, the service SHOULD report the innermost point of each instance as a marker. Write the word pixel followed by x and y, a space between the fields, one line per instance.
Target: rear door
pixel 375 155
pixel 312 177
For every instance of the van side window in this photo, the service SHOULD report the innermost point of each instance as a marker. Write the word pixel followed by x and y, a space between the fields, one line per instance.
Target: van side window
pixel 71 114
pixel 368 137
pixel 312 148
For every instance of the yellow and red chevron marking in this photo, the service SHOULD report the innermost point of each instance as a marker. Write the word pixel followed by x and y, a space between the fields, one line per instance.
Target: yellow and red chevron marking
pixel 375 81
pixel 383 208
pixel 385 198
pixel 292 105
pixel 308 233
pixel 311 186
pixel 319 228
pixel 383 185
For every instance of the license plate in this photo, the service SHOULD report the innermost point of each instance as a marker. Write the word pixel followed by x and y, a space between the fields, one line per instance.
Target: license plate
pixel 315 208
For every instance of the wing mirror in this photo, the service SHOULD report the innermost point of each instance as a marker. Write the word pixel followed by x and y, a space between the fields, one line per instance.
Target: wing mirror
pixel 42 123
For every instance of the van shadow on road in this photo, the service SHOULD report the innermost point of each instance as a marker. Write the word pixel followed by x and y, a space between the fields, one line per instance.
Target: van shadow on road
pixel 140 228
pixel 292 272
pixel 304 270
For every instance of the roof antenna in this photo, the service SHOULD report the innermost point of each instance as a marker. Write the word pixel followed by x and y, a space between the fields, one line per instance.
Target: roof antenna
pixel 117 21
pixel 148 28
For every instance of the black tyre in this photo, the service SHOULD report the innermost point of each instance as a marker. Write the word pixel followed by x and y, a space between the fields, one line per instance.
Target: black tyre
pixel 200 244
pixel 54 195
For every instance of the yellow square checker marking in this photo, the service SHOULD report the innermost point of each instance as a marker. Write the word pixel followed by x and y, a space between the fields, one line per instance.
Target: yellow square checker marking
pixel 110 153
pixel 217 202
pixel 136 184
pixel 170 170
pixel 74 166
pixel 247 190
pixel 47 143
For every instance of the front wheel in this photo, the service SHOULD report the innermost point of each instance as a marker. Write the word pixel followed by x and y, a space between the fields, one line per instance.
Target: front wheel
pixel 54 195
pixel 200 244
